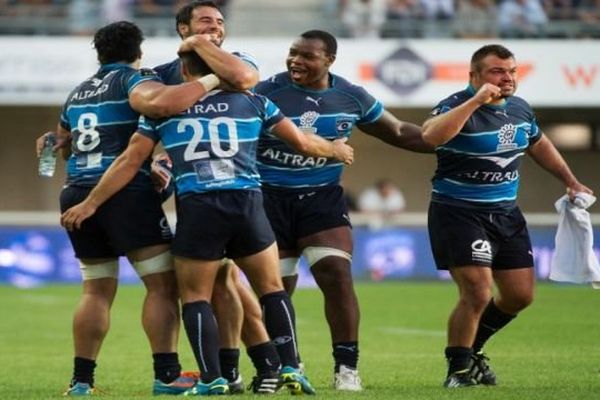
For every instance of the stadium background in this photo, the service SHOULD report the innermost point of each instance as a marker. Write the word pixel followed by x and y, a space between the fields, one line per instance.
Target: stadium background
pixel 42 61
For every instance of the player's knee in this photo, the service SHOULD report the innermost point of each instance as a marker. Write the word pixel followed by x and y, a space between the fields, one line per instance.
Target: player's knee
pixel 154 265
pixel 107 269
pixel 520 302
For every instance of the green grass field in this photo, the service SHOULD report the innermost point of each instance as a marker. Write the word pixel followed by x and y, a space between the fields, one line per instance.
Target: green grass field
pixel 552 351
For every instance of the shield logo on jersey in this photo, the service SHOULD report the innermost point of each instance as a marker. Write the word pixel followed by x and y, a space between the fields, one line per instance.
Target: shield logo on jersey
pixel 343 126
pixel 307 120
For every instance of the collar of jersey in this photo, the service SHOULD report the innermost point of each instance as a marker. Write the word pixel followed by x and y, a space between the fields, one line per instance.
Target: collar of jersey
pixel 110 67
pixel 305 89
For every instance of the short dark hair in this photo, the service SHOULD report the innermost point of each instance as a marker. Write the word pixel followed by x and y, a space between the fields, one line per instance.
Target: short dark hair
pixel 327 38
pixel 495 49
pixel 119 41
pixel 194 63
pixel 184 15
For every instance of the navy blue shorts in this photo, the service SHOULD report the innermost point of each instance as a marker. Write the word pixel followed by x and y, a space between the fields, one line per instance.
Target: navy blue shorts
pixel 296 213
pixel 225 223
pixel 462 236
pixel 130 220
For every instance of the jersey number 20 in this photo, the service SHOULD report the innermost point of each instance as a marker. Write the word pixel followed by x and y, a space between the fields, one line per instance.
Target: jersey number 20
pixel 191 152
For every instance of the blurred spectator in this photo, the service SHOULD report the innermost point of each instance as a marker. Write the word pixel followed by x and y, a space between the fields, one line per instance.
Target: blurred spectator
pixel 83 17
pixel 588 12
pixel 117 10
pixel 437 9
pixel 559 9
pixel 156 8
pixel 363 18
pixel 403 18
pixel 476 19
pixel 384 197
pixel 438 15
pixel 521 18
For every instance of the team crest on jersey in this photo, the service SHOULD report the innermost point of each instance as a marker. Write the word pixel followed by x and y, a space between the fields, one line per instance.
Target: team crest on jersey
pixel 343 125
pixel 307 120
pixel 506 137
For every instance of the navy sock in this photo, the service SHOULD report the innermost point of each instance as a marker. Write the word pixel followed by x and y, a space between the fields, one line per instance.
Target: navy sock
pixel 264 358
pixel 203 334
pixel 229 360
pixel 458 358
pixel 166 367
pixel 83 370
pixel 280 321
pixel 345 353
pixel 491 321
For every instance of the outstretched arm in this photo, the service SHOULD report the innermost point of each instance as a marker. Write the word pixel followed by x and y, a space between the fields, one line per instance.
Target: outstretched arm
pixel 313 145
pixel 547 156
pixel 239 74
pixel 391 130
pixel 121 171
pixel 158 100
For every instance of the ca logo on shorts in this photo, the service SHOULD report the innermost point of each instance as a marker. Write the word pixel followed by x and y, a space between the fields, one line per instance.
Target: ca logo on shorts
pixel 482 251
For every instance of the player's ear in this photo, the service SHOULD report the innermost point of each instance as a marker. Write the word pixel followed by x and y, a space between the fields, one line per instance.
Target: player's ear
pixel 183 30
pixel 330 59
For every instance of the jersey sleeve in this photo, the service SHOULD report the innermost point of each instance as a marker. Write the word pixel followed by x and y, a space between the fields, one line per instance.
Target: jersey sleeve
pixel 64 119
pixel 273 114
pixel 149 128
pixel 372 109
pixel 247 58
pixel 444 106
pixel 535 133
pixel 142 75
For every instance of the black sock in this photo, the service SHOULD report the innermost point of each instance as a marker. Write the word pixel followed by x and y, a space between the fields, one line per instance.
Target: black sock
pixel 166 367
pixel 83 371
pixel 491 321
pixel 229 359
pixel 345 353
pixel 458 358
pixel 264 358
pixel 203 334
pixel 280 321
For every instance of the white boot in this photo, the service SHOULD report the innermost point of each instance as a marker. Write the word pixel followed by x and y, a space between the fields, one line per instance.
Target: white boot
pixel 347 379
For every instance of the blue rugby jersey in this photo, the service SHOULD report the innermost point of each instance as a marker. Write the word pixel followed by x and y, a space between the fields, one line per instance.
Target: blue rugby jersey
pixel 170 73
pixel 330 113
pixel 480 166
pixel 213 144
pixel 101 122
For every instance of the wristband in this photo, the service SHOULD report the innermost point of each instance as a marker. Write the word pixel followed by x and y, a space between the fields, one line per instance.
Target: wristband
pixel 209 82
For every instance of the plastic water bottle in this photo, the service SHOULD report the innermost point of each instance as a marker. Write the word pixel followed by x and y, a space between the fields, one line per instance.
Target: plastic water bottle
pixel 48 157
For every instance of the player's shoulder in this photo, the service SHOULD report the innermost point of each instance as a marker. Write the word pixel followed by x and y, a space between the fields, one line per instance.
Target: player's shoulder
pixel 275 82
pixel 343 85
pixel 519 102
pixel 248 58
pixel 169 73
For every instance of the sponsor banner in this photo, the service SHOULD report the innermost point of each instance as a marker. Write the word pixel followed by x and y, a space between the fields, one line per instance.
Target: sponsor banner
pixel 36 255
pixel 401 73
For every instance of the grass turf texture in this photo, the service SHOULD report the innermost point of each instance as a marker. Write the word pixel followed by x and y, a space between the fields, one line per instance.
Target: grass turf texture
pixel 552 351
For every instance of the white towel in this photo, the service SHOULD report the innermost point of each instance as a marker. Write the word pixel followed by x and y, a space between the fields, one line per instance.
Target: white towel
pixel 574 259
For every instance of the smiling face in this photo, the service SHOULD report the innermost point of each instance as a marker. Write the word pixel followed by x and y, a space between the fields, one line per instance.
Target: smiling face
pixel 204 20
pixel 308 63
pixel 497 71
